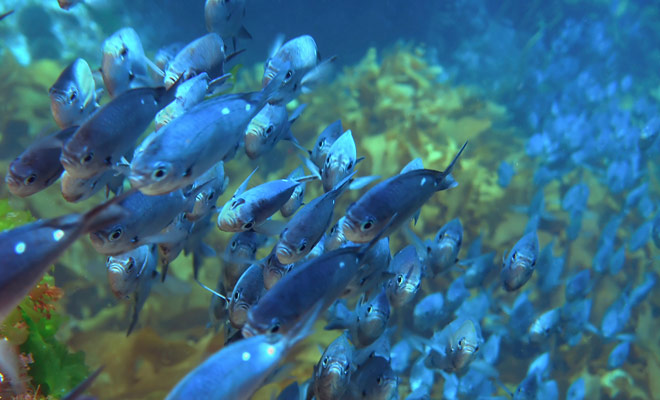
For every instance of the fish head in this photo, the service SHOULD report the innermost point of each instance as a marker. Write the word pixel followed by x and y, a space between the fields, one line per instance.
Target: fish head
pixel 291 249
pixel 23 179
pixel 335 238
pixel 253 327
pixel 373 320
pixel 274 271
pixel 158 176
pixel 444 253
pixel 402 288
pixel 238 309
pixel 112 240
pixel 332 375
pixel 517 270
pixel 464 345
pixel 67 105
pixel 75 190
pixel 258 134
pixel 122 276
pixel 360 224
pixel 235 216
pixel 294 202
pixel 82 161
pixel 123 60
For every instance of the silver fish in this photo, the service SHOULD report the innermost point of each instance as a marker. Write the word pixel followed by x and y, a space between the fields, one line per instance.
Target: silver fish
pixel 443 251
pixel 407 269
pixel 301 54
pixel 268 127
pixel 544 325
pixel 215 183
pixel 251 208
pixel 73 95
pixel 335 237
pixel 243 365
pixel 519 265
pixel 323 143
pixel 306 228
pixel 456 346
pixel 297 197
pixel 124 65
pixel 204 54
pixel 111 132
pixel 241 250
pixel 332 373
pixel 29 250
pixel 372 318
pixel 247 292
pixel 374 380
pixel 340 161
pixel 131 275
pixel 187 147
pixel 38 166
pixel 274 270
pixel 146 217
pixel 75 190
pixel 188 94
pixel 226 19
pixel 393 201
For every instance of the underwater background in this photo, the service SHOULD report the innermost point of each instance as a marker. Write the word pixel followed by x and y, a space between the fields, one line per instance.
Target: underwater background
pixel 550 94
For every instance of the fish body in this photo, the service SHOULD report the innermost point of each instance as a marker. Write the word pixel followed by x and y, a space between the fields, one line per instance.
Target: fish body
pixel 393 201
pixel 131 274
pixel 110 133
pixel 407 271
pixel 247 292
pixel 242 248
pixel 299 54
pixel 306 228
pixel 73 95
pixel 340 161
pixel 226 18
pixel 204 54
pixel 293 204
pixel 268 127
pixel 519 265
pixel 29 250
pixel 38 166
pixel 321 279
pixel 324 142
pixel 443 251
pixel 332 373
pixel 187 147
pixel 124 65
pixel 146 217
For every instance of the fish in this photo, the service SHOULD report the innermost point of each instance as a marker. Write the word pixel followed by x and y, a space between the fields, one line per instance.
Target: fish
pixel 429 313
pixel 373 270
pixel 332 373
pixel 505 173
pixel 268 127
pixel 111 131
pixel 188 94
pixel 73 95
pixel 250 209
pixel 247 292
pixel 578 285
pixel 146 217
pixel 478 268
pixel 374 380
pixel 518 266
pixel 407 270
pixel 131 274
pixel 306 228
pixel 38 166
pixel 215 183
pixel 29 250
pixel 301 53
pixel 340 161
pixel 321 279
pixel 324 142
pixel 544 326
pixel 225 18
pixel 575 199
pixel 124 64
pixel 240 251
pixel 212 131
pixel 203 55
pixel 401 195
pixel 243 365
pixel 75 190
pixel 456 346
pixel 274 270
pixel 443 251
pixel 366 323
pixel 297 197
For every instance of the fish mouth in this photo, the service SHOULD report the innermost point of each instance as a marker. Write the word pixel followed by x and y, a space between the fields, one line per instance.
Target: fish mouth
pixel 349 228
pixel 228 223
pixel 271 277
pixel 12 181
pixel 252 143
pixel 269 74
pixel 238 315
pixel 248 331
pixel 284 255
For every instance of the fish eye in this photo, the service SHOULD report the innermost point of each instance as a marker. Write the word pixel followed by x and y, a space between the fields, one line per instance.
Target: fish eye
pixel 248 225
pixel 124 52
pixel 237 203
pixel 236 295
pixel 369 310
pixel 275 328
pixel 30 179
pixel 73 95
pixel 368 224
pixel 379 380
pixel 327 161
pixel 460 344
pixel 211 195
pixel 269 129
pixel 302 246
pixel 288 75
pixel 131 263
pixel 159 173
pixel 399 279
pixel 349 165
pixel 333 229
pixel 234 244
pixel 107 259
pixel 325 361
pixel 87 158
pixel 476 348
pixel 348 368
pixel 116 234
pixel 321 143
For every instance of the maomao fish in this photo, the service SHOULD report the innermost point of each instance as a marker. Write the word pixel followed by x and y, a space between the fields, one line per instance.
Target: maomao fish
pixel 73 95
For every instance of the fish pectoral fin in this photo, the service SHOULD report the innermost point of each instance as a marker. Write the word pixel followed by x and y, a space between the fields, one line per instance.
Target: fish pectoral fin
pixel 362 181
